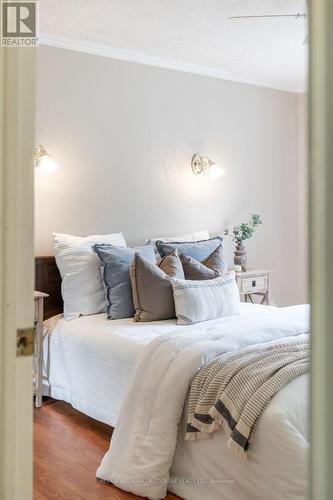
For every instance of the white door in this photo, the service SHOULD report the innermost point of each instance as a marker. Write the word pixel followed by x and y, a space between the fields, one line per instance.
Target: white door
pixel 17 107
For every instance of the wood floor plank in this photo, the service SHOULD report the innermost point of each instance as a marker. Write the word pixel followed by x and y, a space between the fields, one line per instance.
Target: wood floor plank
pixel 68 447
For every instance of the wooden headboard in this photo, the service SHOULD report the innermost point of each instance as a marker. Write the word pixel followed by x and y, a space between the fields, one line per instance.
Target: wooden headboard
pixel 48 280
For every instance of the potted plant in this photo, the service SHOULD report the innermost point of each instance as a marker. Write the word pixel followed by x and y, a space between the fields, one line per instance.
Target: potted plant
pixel 242 232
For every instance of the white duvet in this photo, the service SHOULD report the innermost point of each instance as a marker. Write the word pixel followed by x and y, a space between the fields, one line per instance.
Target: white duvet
pixel 90 360
pixel 148 453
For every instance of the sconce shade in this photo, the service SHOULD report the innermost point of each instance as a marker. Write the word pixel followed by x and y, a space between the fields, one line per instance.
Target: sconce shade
pixel 202 165
pixel 43 162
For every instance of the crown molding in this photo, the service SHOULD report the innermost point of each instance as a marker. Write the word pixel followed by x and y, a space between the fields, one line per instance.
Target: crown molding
pixel 139 58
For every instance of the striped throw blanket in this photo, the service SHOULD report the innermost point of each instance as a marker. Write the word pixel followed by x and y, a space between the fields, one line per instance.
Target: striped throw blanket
pixel 232 391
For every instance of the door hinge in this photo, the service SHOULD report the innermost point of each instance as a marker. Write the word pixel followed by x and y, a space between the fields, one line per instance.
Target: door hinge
pixel 24 341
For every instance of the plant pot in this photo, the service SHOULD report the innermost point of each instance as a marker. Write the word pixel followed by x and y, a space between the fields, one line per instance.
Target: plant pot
pixel 240 255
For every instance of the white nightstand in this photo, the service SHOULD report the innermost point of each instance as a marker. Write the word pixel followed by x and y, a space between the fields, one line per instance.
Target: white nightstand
pixel 37 359
pixel 255 282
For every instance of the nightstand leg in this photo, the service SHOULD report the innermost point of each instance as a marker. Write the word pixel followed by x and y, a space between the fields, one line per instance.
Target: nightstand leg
pixel 39 360
pixel 38 400
pixel 268 294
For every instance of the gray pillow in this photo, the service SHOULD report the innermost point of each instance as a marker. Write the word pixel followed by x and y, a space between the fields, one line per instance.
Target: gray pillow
pixel 211 267
pixel 199 250
pixel 195 270
pixel 152 290
pixel 115 264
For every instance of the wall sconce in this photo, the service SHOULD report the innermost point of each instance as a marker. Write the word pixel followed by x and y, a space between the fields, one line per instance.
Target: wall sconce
pixel 43 162
pixel 202 165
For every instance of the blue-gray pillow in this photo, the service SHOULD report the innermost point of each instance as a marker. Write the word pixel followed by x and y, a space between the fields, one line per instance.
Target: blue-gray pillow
pixel 115 264
pixel 199 250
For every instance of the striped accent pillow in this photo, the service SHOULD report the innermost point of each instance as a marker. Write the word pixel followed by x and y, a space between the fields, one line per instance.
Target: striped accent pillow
pixel 197 301
pixel 82 285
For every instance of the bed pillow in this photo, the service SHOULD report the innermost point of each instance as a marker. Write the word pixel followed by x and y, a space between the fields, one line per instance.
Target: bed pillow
pixel 82 285
pixel 152 290
pixel 198 236
pixel 195 270
pixel 199 250
pixel 211 267
pixel 197 301
pixel 116 263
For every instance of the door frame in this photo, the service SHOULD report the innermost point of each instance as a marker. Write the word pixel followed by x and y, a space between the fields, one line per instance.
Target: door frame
pixel 321 246
pixel 17 108
pixel 17 129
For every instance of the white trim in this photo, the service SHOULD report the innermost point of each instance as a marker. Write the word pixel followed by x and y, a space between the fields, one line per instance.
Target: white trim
pixel 17 111
pixel 137 57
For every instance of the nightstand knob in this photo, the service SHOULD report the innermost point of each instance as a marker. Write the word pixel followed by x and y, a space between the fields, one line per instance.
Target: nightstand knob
pixel 254 283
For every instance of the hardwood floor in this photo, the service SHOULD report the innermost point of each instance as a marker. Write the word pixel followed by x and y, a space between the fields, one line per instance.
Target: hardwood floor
pixel 68 447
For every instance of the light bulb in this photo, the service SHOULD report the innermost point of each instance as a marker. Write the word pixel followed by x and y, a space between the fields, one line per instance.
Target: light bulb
pixel 215 172
pixel 47 165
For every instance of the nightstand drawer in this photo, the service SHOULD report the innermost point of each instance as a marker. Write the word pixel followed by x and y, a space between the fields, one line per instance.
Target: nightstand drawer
pixel 254 284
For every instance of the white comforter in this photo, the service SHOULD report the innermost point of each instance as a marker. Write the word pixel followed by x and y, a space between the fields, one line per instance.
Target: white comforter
pixel 90 360
pixel 144 442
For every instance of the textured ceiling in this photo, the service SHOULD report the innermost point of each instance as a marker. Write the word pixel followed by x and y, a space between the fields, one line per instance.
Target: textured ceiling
pixel 193 35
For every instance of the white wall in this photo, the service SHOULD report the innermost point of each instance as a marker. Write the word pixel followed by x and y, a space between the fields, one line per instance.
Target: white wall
pixel 124 134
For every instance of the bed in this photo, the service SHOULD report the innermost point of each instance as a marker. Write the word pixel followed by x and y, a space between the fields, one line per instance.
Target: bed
pixel 92 363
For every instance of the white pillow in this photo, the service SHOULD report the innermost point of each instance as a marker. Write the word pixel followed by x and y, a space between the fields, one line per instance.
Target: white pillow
pixel 82 285
pixel 205 299
pixel 198 236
